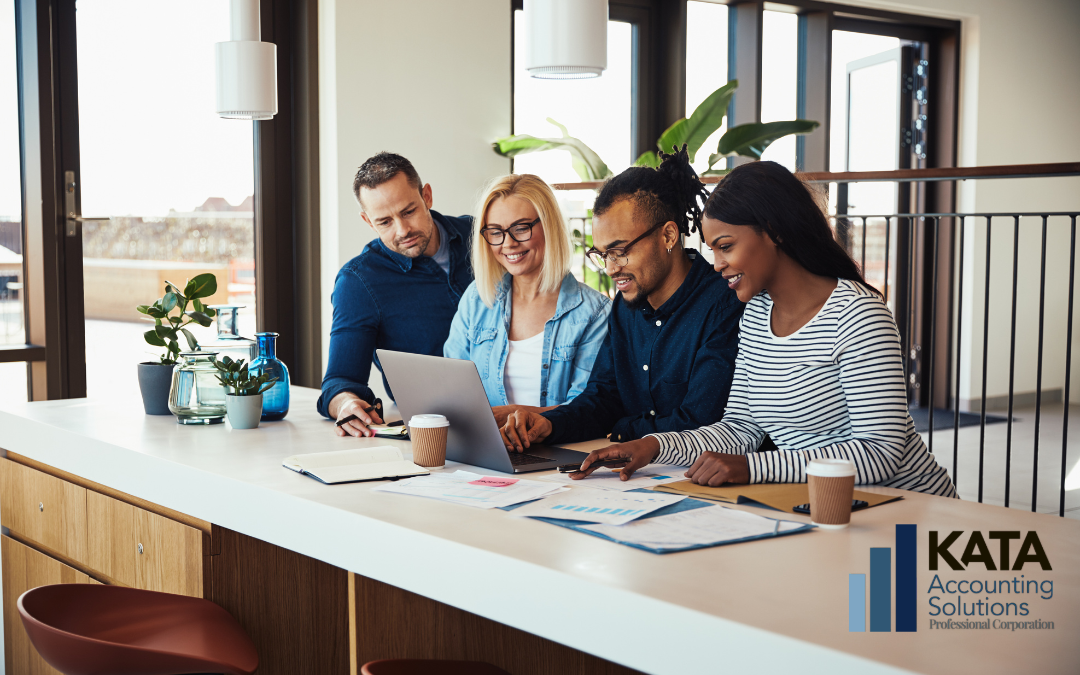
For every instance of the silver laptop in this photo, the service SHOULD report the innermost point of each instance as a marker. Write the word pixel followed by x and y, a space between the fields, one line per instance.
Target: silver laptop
pixel 452 387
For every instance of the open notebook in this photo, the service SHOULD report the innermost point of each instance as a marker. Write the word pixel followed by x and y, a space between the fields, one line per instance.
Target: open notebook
pixel 348 466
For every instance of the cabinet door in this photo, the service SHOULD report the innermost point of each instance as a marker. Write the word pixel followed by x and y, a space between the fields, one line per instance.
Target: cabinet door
pixel 169 555
pixel 110 532
pixel 43 509
pixel 23 569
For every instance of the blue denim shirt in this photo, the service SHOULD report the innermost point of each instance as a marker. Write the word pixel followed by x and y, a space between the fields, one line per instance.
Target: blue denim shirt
pixel 572 337
pixel 667 369
pixel 384 300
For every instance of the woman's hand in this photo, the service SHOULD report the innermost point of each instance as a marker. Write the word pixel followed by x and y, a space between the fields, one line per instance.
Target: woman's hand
pixel 636 453
pixel 523 428
pixel 715 468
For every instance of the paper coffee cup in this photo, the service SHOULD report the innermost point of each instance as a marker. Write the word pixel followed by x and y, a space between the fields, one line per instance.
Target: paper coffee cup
pixel 428 434
pixel 832 487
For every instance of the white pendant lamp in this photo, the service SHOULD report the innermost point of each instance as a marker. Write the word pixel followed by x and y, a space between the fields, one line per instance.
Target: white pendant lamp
pixel 246 68
pixel 567 38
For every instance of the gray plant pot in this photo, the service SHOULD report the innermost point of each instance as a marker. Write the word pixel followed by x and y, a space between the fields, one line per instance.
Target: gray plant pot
pixel 154 382
pixel 244 412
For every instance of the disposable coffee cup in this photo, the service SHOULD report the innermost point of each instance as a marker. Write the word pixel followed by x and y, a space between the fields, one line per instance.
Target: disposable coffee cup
pixel 832 487
pixel 428 435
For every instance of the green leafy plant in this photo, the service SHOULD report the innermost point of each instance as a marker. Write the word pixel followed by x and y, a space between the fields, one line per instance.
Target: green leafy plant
pixel 236 379
pixel 745 140
pixel 169 326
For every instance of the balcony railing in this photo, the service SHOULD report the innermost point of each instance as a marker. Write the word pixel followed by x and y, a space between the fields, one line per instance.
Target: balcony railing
pixel 984 302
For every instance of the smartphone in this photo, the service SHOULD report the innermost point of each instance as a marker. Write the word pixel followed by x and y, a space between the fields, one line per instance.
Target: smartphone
pixel 856 504
pixel 611 463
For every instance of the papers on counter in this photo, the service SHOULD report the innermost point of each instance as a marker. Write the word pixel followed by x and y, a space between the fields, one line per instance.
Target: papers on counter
pixel 597 506
pixel 691 529
pixel 465 487
pixel 606 479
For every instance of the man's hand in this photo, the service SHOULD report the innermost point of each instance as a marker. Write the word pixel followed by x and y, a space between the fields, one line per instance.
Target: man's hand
pixel 714 468
pixel 523 428
pixel 637 454
pixel 345 404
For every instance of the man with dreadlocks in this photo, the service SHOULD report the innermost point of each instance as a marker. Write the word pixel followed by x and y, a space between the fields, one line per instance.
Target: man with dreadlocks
pixel 669 356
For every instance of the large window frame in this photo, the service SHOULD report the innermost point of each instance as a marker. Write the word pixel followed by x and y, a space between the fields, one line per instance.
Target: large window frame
pixel 286 196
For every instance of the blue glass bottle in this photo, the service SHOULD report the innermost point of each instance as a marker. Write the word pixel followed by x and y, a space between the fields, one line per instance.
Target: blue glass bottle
pixel 276 398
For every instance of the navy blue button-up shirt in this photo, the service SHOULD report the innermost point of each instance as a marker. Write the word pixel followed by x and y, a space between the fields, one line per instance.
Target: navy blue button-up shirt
pixel 384 300
pixel 667 369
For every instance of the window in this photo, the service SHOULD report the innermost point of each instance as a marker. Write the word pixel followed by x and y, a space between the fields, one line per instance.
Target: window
pixel 175 180
pixel 12 325
pixel 706 64
pixel 779 79
pixel 598 111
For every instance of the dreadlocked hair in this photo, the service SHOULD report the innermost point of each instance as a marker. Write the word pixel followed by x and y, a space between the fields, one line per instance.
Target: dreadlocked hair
pixel 670 192
pixel 771 199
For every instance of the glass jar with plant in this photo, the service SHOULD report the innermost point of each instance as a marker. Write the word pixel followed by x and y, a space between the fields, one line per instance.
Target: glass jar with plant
pixel 171 316
pixel 243 392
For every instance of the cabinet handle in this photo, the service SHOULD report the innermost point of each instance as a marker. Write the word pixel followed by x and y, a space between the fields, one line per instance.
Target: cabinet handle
pixel 140 549
pixel 41 507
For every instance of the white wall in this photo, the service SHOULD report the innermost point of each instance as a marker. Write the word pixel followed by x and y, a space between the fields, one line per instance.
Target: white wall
pixel 427 79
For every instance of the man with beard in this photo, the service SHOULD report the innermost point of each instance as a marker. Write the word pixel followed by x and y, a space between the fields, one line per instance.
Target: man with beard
pixel 400 293
pixel 669 356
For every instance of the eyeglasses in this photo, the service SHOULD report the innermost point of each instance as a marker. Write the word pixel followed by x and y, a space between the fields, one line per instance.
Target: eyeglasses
pixel 520 233
pixel 617 256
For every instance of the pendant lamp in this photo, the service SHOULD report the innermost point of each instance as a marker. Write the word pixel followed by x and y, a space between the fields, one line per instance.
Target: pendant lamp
pixel 567 38
pixel 246 67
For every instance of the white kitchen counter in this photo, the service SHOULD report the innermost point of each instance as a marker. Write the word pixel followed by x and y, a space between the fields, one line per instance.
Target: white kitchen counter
pixel 766 606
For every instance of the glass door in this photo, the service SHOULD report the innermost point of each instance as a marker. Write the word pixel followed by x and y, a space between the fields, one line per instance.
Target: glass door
pixel 171 182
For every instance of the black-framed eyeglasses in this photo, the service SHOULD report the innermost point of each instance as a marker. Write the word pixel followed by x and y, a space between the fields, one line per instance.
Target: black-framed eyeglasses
pixel 520 232
pixel 617 256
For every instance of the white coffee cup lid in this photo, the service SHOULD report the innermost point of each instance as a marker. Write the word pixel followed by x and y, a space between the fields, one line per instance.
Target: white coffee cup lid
pixel 831 468
pixel 428 421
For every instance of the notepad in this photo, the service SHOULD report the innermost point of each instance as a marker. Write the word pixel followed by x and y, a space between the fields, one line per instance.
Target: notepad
pixel 350 466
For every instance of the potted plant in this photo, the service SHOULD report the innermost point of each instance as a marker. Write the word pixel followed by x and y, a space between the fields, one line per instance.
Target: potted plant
pixel 243 392
pixel 171 315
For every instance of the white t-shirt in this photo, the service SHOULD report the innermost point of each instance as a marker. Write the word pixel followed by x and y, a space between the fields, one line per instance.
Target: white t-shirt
pixel 521 377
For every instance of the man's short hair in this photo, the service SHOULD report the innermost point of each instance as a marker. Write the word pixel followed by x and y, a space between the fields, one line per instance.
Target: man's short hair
pixel 381 168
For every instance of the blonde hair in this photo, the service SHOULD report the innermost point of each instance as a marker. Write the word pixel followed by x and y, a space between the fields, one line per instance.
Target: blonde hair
pixel 558 251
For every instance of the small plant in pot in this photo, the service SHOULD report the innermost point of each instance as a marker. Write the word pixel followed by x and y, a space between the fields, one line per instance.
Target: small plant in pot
pixel 243 392
pixel 171 317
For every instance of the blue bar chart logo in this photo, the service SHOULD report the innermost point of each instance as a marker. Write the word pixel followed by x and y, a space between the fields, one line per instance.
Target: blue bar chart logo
pixel 881 584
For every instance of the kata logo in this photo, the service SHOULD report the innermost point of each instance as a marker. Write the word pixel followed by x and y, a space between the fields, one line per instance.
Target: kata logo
pixel 976 551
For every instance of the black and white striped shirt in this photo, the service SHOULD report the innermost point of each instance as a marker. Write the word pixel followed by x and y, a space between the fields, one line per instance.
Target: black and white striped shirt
pixel 834 388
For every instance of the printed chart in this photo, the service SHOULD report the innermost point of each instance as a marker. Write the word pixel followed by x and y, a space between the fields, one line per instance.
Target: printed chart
pixel 597 506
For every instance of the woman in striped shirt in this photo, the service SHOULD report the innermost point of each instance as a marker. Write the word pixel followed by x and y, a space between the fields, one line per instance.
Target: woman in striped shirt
pixel 819 367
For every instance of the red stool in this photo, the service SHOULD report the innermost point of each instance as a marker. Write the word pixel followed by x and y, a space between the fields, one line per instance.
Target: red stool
pixel 430 667
pixel 89 629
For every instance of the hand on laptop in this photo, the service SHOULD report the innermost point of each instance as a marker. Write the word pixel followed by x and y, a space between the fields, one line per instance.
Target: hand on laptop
pixel 350 404
pixel 502 412
pixel 637 454
pixel 523 428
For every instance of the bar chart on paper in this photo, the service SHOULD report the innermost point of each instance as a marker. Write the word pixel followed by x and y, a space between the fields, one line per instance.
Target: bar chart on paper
pixel 597 506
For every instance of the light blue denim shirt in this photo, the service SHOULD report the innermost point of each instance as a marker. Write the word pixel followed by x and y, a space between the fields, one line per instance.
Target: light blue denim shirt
pixel 572 338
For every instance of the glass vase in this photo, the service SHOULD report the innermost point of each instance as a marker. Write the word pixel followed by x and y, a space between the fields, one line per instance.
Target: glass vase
pixel 228 341
pixel 276 398
pixel 196 396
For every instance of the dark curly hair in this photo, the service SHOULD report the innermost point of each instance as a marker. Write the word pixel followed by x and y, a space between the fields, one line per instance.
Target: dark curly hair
pixel 668 192
pixel 771 199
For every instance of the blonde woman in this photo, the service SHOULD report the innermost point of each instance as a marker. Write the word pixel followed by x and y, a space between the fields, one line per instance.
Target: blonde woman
pixel 530 327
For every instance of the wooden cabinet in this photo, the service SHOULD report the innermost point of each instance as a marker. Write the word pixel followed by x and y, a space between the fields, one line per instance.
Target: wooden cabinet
pixel 65 529
pixel 23 569
pixel 43 509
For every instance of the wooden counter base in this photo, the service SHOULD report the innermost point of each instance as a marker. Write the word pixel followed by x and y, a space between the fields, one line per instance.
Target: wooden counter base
pixel 387 622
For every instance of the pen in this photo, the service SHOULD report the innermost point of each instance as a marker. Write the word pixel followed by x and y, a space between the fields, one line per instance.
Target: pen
pixel 377 406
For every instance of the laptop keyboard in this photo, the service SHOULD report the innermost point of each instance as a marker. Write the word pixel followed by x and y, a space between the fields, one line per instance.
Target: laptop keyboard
pixel 520 459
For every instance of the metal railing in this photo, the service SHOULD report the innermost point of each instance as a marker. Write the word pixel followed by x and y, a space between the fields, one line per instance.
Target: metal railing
pixel 935 271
